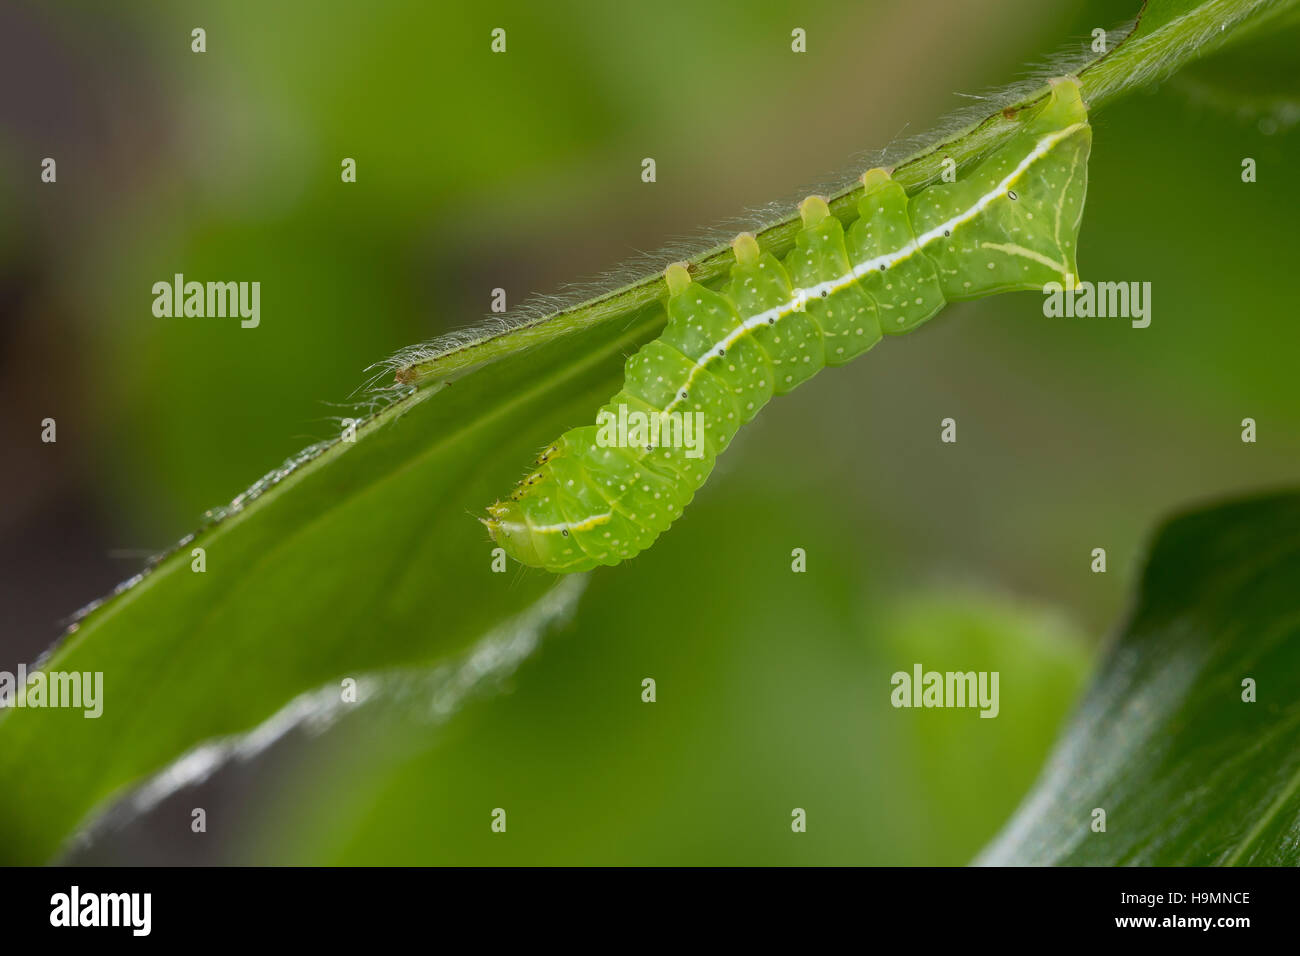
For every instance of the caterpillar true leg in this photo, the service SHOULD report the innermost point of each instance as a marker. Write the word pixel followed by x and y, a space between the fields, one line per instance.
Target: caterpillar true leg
pixel 600 494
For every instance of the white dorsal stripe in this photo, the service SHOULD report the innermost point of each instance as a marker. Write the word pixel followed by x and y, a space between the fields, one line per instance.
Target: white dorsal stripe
pixel 886 260
pixel 586 524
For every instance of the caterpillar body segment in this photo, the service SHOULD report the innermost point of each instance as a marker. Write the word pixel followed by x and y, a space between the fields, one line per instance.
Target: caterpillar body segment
pixel 907 292
pixel 846 317
pixel 602 493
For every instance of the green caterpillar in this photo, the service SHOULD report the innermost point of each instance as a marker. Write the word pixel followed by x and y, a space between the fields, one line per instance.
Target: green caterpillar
pixel 1012 224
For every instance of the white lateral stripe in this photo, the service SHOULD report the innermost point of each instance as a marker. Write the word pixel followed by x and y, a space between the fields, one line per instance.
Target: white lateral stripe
pixel 513 527
pixel 1012 249
pixel 888 259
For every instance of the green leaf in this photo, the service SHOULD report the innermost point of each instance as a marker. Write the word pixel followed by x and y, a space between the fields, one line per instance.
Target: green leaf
pixel 1187 771
pixel 1167 35
pixel 1254 82
pixel 358 559
pixel 364 555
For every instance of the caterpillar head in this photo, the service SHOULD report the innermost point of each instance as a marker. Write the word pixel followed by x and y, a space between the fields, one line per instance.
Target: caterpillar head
pixel 508 527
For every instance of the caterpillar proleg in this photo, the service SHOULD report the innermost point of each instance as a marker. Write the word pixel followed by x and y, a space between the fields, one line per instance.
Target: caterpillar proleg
pixel 600 494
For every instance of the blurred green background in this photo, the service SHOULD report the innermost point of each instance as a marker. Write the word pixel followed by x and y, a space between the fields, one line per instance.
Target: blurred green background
pixel 522 171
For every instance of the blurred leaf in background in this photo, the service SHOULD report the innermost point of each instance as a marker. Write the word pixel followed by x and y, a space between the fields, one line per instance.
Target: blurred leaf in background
pixel 1183 751
pixel 522 172
pixel 768 698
